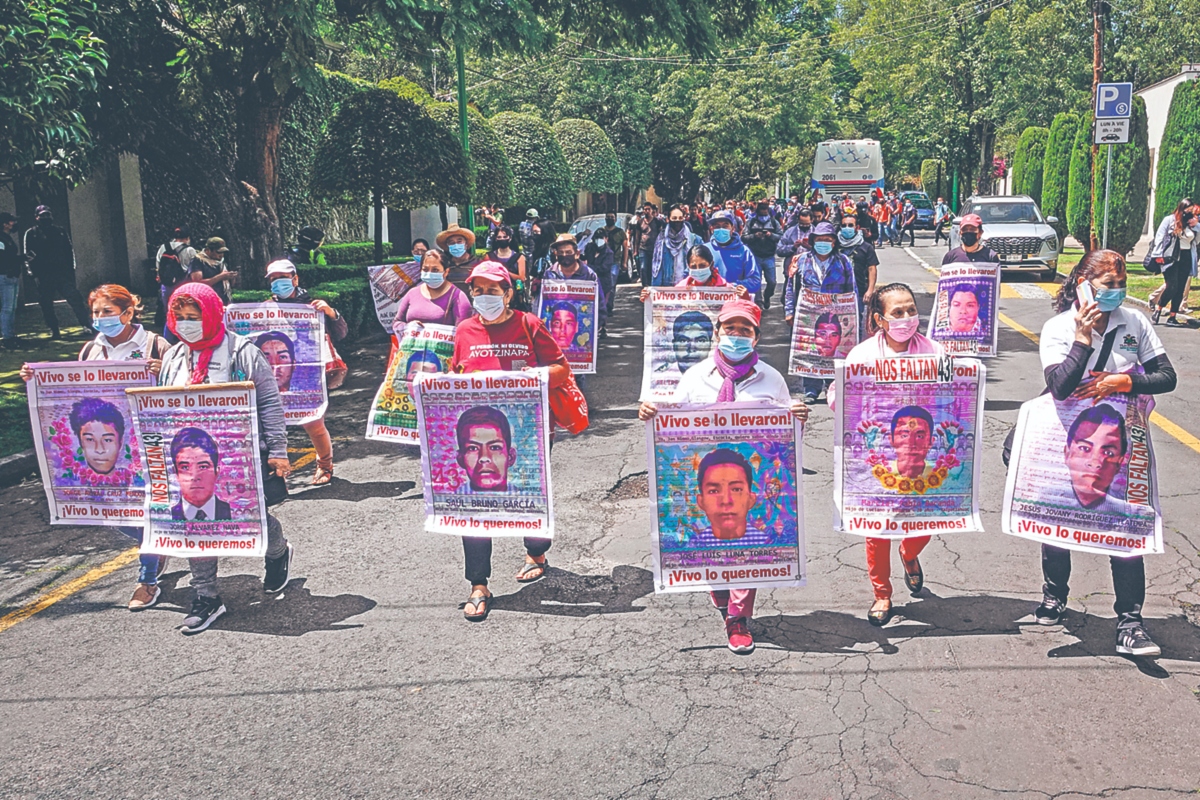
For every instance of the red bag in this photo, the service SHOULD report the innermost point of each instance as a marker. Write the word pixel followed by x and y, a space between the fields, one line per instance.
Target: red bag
pixel 335 368
pixel 568 406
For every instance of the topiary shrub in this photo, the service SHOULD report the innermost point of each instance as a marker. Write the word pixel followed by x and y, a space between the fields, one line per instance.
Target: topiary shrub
pixel 1056 168
pixel 590 155
pixel 353 253
pixel 756 192
pixel 1179 152
pixel 541 176
pixel 491 172
pixel 1028 162
pixel 1079 185
pixel 935 182
pixel 1130 184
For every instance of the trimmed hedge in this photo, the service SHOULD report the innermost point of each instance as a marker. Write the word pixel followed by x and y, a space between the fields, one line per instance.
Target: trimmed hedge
pixel 491 171
pixel 1130 190
pixel 1079 185
pixel 929 179
pixel 1056 168
pixel 756 192
pixel 590 154
pixel 541 176
pixel 1027 162
pixel 352 252
pixel 1179 152
pixel 15 434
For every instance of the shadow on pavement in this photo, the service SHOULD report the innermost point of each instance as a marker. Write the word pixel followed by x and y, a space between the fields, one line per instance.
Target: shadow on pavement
pixel 567 594
pixel 342 489
pixel 293 612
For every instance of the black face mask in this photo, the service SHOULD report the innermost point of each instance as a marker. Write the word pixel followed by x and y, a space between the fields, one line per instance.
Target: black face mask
pixel 970 238
pixel 566 259
pixel 503 243
pixel 676 225
pixel 608 223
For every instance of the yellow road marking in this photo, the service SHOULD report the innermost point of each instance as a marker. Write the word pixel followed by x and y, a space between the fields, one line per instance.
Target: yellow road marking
pixel 1049 288
pixel 1170 428
pixel 67 589
pixel 310 455
pixel 1007 292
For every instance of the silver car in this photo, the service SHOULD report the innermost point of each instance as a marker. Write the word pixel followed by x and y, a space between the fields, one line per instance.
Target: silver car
pixel 1014 227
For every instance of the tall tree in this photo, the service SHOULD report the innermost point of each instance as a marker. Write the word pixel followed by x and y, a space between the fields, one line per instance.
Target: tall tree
pixel 1027 162
pixel 1056 169
pixel 1179 152
pixel 1079 186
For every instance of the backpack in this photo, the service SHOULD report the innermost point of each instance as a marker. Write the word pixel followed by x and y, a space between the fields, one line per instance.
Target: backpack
pixel 170 268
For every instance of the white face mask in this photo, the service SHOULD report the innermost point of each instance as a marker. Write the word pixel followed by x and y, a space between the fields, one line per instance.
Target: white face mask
pixel 190 330
pixel 489 306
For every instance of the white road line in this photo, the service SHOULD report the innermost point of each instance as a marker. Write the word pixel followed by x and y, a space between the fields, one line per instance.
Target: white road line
pixel 921 261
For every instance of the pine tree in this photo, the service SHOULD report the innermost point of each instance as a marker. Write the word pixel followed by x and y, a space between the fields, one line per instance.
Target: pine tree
pixel 1056 168
pixel 1179 152
pixel 1028 162
pixel 1129 187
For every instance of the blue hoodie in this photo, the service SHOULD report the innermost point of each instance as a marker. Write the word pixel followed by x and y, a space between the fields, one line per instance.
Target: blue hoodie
pixel 740 266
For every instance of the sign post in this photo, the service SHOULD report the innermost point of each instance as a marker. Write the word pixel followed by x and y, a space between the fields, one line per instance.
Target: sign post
pixel 1113 108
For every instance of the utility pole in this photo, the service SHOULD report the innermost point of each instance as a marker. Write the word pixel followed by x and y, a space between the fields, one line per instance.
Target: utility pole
pixel 1098 9
pixel 463 129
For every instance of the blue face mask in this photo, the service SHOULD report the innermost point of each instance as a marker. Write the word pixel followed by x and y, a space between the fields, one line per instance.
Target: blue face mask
pixel 700 275
pixel 735 348
pixel 489 306
pixel 282 287
pixel 847 233
pixel 1109 299
pixel 823 248
pixel 457 250
pixel 722 235
pixel 418 258
pixel 433 279
pixel 109 326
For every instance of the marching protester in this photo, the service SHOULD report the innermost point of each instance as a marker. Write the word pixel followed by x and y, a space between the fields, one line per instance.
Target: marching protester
pixel 285 288
pixel 602 258
pixel 525 230
pixel 208 268
pixel 702 272
pixel 908 221
pixel 822 269
pixel 116 315
pixel 436 301
pixel 892 322
pixel 733 257
pixel 762 236
pixel 734 373
pixel 618 242
pixel 568 267
pixel 1176 243
pixel 172 264
pixel 972 249
pixel 504 253
pixel 1080 360
pixel 459 246
pixel 499 338
pixel 942 217
pixel 418 249
pixel 12 267
pixel 50 258
pixel 541 258
pixel 207 353
pixel 794 239
pixel 864 258
pixel 669 263
pixel 646 229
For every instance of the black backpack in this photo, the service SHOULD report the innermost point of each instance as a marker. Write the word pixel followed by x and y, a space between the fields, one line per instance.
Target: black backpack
pixel 170 268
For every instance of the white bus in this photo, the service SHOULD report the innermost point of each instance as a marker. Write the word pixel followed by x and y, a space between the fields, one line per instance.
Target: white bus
pixel 854 166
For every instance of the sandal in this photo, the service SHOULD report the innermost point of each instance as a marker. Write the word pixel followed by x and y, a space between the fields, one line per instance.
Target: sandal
pixel 879 618
pixel 324 473
pixel 523 575
pixel 914 580
pixel 482 604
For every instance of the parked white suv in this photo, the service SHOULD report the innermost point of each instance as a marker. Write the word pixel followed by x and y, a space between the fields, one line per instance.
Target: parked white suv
pixel 1014 227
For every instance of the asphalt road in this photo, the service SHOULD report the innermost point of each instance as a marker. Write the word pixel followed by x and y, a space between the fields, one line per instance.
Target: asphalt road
pixel 362 680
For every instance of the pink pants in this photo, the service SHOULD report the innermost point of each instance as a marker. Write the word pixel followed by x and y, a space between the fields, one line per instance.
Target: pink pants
pixel 879 561
pixel 740 602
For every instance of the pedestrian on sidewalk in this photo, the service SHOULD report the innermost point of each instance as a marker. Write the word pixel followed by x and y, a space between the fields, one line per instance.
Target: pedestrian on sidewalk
pixel 12 266
pixel 1176 243
pixel 733 373
pixel 1080 360
pixel 209 268
pixel 972 249
pixel 207 353
pixel 498 338
pixel 908 222
pixel 51 260
pixel 116 315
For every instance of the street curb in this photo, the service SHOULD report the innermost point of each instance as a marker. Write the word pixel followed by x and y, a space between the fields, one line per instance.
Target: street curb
pixel 1146 305
pixel 17 467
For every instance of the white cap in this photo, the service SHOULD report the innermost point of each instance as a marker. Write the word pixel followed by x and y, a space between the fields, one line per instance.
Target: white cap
pixel 281 267
pixel 531 212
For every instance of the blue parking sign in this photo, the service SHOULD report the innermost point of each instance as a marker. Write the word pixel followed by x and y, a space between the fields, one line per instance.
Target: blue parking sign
pixel 1114 100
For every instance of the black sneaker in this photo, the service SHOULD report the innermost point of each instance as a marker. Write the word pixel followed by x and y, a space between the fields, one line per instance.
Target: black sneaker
pixel 205 611
pixel 1134 641
pixel 1051 611
pixel 277 572
pixel 1174 323
pixel 1157 315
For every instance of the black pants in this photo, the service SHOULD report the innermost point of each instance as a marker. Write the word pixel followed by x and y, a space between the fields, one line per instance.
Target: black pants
pixel 912 235
pixel 478 553
pixel 1129 582
pixel 939 233
pixel 61 284
pixel 1176 278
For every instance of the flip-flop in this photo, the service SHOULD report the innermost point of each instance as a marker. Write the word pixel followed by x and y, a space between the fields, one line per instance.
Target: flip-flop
pixel 483 607
pixel 526 568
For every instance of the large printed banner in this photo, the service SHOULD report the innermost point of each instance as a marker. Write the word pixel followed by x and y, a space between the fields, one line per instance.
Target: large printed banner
pixel 825 328
pixel 1082 476
pixel 725 482
pixel 203 470
pixel 485 453
pixel 393 415
pixel 292 337
pixel 571 314
pixel 964 309
pixel 906 446
pixel 680 327
pixel 388 283
pixel 89 456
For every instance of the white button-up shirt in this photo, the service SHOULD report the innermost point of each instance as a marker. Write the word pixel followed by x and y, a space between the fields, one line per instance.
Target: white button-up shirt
pixel 702 383
pixel 1135 343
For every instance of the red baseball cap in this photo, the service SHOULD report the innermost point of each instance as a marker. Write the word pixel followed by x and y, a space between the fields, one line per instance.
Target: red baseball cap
pixel 972 219
pixel 740 309
pixel 493 271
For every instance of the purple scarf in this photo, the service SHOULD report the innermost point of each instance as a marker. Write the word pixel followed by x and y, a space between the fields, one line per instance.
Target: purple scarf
pixel 732 373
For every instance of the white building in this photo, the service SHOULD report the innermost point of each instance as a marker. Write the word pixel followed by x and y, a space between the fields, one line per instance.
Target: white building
pixel 1158 103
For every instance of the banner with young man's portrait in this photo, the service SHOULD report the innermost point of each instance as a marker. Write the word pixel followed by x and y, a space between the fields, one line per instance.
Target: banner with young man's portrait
pixel 1082 476
pixel 728 505
pixel 393 414
pixel 291 337
pixel 907 437
pixel 964 317
pixel 680 327
pixel 825 328
pixel 203 470
pixel 485 453
pixel 571 314
pixel 89 456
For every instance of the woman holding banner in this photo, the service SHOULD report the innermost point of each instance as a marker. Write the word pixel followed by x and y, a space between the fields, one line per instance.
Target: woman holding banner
pixel 1080 360
pixel 207 353
pixel 734 373
pixel 285 288
pixel 116 314
pixel 893 319
pixel 499 338
pixel 702 273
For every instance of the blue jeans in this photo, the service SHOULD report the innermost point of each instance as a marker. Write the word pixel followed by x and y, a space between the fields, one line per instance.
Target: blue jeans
pixel 9 287
pixel 645 262
pixel 814 386
pixel 148 564
pixel 766 265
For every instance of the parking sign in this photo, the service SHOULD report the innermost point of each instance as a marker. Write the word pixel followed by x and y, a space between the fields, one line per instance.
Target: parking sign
pixel 1114 101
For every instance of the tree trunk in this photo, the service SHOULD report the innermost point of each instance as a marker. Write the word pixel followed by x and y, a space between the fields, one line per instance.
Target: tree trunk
pixel 444 214
pixel 260 122
pixel 377 203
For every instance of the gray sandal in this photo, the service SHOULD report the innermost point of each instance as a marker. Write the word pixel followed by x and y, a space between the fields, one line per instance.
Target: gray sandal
pixel 483 607
pixel 526 568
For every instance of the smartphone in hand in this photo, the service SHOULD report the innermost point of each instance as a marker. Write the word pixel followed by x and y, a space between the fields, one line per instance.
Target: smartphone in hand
pixel 1085 294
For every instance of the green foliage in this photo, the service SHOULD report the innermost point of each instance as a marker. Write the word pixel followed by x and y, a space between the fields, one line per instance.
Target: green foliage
pixel 1056 168
pixel 932 183
pixel 542 178
pixel 316 274
pixel 1130 184
pixel 15 434
pixel 1079 185
pixel 481 232
pixel 1028 161
pixel 351 253
pixel 50 64
pixel 757 192
pixel 352 298
pixel 491 172
pixel 1179 152
pixel 590 154
pixel 408 90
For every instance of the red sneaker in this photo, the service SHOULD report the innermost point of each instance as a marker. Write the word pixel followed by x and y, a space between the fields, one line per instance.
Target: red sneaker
pixel 740 640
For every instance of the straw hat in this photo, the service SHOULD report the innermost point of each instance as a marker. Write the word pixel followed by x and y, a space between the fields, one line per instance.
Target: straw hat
pixel 456 230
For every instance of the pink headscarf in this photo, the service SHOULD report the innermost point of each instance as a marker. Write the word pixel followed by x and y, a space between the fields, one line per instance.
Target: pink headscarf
pixel 212 316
